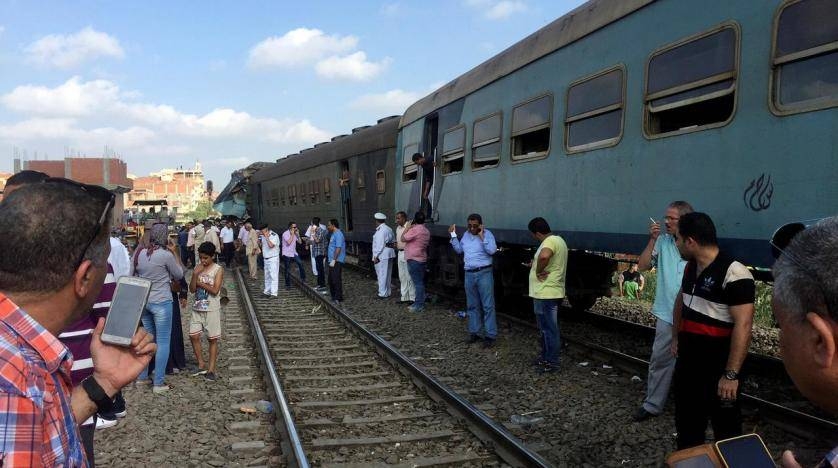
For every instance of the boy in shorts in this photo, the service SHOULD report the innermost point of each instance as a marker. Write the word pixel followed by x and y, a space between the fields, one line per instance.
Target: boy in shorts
pixel 206 310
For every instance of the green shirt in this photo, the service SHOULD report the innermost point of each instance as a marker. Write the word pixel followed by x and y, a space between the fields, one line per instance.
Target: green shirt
pixel 553 286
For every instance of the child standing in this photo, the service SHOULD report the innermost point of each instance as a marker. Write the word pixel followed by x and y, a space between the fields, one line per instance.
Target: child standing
pixel 206 310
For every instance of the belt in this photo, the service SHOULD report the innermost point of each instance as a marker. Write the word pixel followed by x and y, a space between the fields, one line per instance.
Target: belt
pixel 268 258
pixel 475 270
pixel 400 250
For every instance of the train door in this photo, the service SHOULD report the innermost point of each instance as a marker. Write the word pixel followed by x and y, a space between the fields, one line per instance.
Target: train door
pixel 346 195
pixel 428 185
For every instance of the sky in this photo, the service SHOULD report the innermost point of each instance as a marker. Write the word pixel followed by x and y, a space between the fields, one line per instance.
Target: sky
pixel 166 84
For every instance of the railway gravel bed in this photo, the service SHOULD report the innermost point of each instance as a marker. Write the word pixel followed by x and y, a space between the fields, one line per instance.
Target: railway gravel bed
pixel 585 408
pixel 351 407
pixel 198 423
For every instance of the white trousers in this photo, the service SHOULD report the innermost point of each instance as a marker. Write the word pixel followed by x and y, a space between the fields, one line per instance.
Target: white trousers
pixel 384 272
pixel 272 275
pixel 313 265
pixel 407 289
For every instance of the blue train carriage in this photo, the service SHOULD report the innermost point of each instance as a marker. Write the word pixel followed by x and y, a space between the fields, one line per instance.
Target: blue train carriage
pixel 600 119
pixel 348 178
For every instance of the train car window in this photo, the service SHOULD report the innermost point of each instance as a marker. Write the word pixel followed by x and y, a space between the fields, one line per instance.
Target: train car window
pixel 274 197
pixel 485 147
pixel 531 128
pixel 453 149
pixel 595 111
pixel 362 187
pixel 691 85
pixel 380 182
pixel 282 196
pixel 303 193
pixel 409 171
pixel 327 190
pixel 805 57
pixel 315 190
pixel 292 194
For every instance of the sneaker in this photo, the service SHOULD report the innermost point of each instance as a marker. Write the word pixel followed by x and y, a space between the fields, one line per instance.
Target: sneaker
pixel 472 339
pixel 539 362
pixel 103 423
pixel 641 415
pixel 548 368
pixel 210 376
pixel 121 414
pixel 488 343
pixel 175 370
pixel 161 389
pixel 199 373
pixel 143 382
pixel 415 310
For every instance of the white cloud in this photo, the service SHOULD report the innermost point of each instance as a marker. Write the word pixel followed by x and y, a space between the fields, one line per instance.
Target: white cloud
pixel 298 47
pixel 391 102
pixel 38 129
pixel 68 51
pixel 353 67
pixel 497 9
pixel 391 9
pixel 73 98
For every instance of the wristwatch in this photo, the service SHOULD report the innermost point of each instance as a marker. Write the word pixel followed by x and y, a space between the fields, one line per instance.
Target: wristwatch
pixel 97 395
pixel 731 375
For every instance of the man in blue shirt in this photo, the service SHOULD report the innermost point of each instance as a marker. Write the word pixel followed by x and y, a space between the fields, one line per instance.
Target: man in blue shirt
pixel 478 246
pixel 336 255
pixel 662 253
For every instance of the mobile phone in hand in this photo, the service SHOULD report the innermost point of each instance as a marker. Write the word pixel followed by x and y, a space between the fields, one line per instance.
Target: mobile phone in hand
pixel 127 307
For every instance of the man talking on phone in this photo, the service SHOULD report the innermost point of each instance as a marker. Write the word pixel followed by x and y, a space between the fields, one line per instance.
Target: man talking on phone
pixel 55 284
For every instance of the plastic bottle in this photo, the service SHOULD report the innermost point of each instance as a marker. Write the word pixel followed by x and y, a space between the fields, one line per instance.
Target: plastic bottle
pixel 264 406
pixel 525 420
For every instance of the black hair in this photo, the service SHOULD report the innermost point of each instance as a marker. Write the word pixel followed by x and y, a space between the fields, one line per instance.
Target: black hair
pixel 315 220
pixel 539 225
pixel 291 223
pixel 26 177
pixel 30 215
pixel 334 223
pixel 207 248
pixel 699 227
pixel 263 226
pixel 416 157
pixel 401 213
pixel 419 218
pixel 475 217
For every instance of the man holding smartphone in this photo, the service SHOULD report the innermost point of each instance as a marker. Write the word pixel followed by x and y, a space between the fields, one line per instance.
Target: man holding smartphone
pixel 41 294
pixel 269 245
pixel 290 239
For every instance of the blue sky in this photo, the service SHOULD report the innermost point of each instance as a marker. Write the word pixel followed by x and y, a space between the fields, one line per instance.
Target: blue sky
pixel 167 83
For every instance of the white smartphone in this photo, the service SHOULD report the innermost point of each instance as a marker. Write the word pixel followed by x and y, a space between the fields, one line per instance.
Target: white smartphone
pixel 747 451
pixel 127 306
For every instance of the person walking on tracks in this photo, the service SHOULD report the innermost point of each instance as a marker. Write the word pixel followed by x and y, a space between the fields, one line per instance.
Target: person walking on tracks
pixel 290 239
pixel 416 238
pixel 269 246
pixel 661 253
pixel 317 235
pixel 382 254
pixel 337 256
pixel 477 247
pixel 206 283
pixel 408 291
pixel 251 248
pixel 713 314
pixel 227 237
pixel 547 290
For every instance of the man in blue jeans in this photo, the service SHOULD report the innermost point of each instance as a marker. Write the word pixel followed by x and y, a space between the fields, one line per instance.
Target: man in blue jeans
pixel 547 290
pixel 477 247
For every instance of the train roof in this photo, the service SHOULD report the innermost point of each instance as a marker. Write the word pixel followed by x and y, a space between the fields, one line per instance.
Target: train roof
pixel 362 140
pixel 584 20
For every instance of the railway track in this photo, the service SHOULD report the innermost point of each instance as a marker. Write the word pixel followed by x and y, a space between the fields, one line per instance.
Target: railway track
pixel 347 398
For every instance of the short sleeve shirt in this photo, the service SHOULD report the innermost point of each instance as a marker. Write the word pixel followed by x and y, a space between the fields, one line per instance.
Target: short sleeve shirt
pixel 708 297
pixel 670 272
pixel 553 287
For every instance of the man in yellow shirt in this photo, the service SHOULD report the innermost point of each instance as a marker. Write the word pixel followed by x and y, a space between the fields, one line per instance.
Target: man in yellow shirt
pixel 547 290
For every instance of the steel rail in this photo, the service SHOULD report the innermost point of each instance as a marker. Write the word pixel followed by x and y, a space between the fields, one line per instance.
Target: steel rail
pixel 293 449
pixel 508 447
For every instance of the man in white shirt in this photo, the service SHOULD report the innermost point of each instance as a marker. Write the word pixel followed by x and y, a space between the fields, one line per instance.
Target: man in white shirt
pixel 227 237
pixel 382 254
pixel 269 244
pixel 119 259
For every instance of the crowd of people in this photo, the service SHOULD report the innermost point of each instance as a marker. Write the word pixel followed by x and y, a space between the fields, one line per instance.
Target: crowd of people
pixel 54 299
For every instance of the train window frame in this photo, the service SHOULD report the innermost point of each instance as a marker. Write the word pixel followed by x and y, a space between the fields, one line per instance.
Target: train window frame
pixel 775 76
pixel 537 128
pixel 457 154
pixel 410 171
pixel 607 143
pixel 498 140
pixel 380 182
pixel 274 197
pixel 327 190
pixel 711 80
pixel 292 194
pixel 282 196
pixel 303 192
pixel 313 191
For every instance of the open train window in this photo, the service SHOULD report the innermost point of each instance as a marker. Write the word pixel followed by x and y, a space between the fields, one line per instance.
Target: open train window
pixel 531 128
pixel 453 149
pixel 805 57
pixel 327 189
pixel 594 116
pixel 485 146
pixel 380 182
pixel 362 187
pixel 409 171
pixel 691 85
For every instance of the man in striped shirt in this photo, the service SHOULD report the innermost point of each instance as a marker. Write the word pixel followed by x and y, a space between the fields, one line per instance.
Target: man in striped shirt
pixel 713 316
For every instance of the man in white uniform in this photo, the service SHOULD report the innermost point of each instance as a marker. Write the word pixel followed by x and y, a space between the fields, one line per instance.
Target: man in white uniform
pixel 269 244
pixel 382 254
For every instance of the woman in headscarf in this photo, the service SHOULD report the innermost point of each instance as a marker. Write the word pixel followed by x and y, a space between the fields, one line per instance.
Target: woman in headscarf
pixel 158 262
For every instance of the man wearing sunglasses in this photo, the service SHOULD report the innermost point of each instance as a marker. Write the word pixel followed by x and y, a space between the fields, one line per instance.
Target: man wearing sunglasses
pixel 54 285
pixel 805 305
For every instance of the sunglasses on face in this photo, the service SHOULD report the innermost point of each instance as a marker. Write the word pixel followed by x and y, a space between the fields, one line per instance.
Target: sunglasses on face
pixel 99 193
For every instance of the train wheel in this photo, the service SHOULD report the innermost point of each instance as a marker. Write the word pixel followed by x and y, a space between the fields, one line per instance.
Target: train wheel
pixel 582 302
